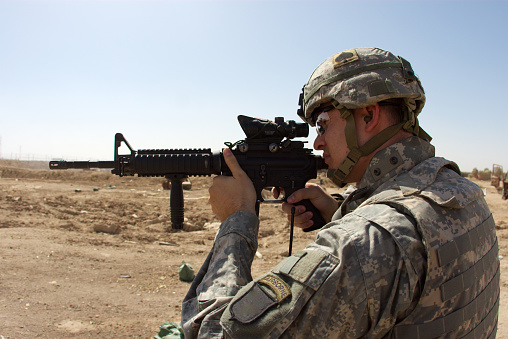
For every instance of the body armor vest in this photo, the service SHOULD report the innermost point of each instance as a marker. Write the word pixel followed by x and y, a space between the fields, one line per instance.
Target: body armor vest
pixel 460 297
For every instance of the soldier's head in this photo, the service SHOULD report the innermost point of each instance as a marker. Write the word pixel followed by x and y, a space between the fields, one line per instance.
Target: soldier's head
pixel 361 98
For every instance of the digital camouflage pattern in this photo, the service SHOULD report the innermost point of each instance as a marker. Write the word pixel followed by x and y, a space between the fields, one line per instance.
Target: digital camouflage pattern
pixel 400 260
pixel 361 77
pixel 224 272
pixel 461 294
pixel 358 78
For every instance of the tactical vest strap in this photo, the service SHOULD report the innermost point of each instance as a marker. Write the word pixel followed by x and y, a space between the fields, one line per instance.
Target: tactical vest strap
pixel 466 242
pixel 489 296
pixel 463 274
pixel 481 330
pixel 467 279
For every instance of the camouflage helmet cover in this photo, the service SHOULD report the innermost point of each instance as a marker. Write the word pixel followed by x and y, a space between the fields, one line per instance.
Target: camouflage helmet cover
pixel 359 78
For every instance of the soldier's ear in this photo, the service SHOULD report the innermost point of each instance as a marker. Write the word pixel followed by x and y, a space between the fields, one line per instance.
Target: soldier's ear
pixel 370 117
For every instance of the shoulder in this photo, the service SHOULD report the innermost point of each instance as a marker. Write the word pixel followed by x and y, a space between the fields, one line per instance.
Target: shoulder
pixel 376 240
pixel 369 229
pixel 271 302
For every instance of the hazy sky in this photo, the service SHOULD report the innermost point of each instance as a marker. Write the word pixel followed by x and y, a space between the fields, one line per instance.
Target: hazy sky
pixel 173 74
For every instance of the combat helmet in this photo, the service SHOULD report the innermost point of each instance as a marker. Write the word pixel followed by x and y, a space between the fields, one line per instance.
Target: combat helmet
pixel 358 78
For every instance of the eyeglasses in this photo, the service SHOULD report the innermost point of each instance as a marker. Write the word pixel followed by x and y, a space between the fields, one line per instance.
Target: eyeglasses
pixel 322 118
pixel 322 122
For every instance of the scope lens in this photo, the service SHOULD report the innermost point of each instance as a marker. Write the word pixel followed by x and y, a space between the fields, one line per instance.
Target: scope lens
pixel 301 130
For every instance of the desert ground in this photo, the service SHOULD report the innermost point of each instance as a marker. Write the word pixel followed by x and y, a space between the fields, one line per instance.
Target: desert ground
pixel 87 254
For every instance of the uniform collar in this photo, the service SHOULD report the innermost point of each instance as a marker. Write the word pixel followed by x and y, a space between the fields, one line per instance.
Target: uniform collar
pixel 395 159
pixel 385 165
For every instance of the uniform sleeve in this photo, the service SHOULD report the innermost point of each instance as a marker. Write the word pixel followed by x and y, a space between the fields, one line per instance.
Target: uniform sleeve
pixel 226 269
pixel 354 280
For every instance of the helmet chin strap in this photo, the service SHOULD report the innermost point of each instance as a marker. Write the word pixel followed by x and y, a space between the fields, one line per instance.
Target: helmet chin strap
pixel 339 174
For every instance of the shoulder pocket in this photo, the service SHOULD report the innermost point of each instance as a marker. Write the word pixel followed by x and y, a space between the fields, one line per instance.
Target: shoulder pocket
pixel 267 306
pixel 309 267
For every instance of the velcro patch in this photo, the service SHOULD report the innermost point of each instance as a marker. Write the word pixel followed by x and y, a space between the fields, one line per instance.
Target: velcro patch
pixel 251 305
pixel 277 285
pixel 345 58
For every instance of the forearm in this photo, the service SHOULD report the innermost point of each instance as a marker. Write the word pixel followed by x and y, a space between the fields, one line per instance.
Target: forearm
pixel 226 270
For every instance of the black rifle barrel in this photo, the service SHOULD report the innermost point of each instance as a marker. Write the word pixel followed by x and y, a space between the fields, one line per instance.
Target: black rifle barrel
pixel 62 164
pixel 189 162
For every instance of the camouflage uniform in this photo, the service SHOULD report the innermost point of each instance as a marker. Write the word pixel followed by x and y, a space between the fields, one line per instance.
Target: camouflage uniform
pixel 411 254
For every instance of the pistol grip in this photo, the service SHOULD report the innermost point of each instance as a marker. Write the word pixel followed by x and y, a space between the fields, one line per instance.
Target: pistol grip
pixel 317 218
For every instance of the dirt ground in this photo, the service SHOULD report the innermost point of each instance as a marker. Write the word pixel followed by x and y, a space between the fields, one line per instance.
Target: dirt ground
pixel 62 276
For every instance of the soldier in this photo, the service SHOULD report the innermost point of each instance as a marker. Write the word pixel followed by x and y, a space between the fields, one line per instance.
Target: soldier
pixel 412 253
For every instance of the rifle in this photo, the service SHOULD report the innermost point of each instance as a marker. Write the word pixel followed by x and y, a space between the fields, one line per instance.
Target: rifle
pixel 268 155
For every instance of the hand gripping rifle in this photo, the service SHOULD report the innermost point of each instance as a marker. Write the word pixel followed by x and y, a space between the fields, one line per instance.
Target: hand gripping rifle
pixel 268 155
